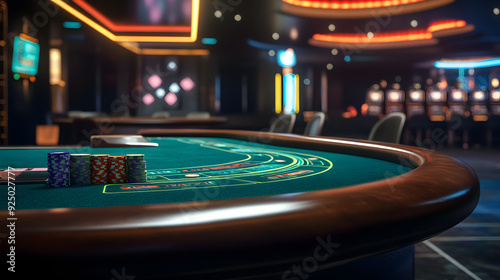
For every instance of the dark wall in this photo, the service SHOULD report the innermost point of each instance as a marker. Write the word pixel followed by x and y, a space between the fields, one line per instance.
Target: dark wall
pixel 28 105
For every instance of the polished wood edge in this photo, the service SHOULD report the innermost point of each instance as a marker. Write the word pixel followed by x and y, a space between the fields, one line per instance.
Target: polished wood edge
pixel 363 220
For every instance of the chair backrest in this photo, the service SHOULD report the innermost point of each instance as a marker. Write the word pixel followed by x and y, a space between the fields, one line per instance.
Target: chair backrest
pixel 389 128
pixel 315 126
pixel 283 123
pixel 201 115
pixel 159 114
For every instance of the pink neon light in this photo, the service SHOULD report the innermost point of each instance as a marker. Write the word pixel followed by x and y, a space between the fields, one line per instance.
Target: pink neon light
pixel 154 81
pixel 148 99
pixel 128 28
pixel 171 98
pixel 187 84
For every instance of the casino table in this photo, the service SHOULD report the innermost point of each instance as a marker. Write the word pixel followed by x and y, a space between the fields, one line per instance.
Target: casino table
pixel 222 204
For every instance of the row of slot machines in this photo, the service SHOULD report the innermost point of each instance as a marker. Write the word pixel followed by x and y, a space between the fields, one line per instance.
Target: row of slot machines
pixel 437 104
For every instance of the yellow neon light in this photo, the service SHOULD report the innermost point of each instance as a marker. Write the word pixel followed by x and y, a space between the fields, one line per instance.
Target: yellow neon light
pixel 85 19
pixel 174 39
pixel 54 66
pixel 135 49
pixel 297 94
pixel 175 52
pixel 277 93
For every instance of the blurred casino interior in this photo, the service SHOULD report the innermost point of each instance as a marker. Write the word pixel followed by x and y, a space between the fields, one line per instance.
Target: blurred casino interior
pixel 243 62
pixel 76 68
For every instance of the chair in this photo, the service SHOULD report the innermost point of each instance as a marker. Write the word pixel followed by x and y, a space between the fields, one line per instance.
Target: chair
pixel 198 115
pixel 389 128
pixel 314 127
pixel 283 123
pixel 161 114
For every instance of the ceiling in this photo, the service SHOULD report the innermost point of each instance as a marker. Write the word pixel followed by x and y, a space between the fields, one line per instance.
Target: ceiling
pixel 261 18
pixel 252 35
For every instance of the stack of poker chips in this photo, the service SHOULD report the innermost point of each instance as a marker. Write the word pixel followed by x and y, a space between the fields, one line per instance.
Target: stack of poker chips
pixel 136 165
pixel 100 168
pixel 117 169
pixel 80 169
pixel 58 169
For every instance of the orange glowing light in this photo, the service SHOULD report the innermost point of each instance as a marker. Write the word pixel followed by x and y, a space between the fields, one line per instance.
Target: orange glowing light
pixel 495 95
pixel 389 37
pixel 351 5
pixel 136 38
pixel 494 82
pixel 377 38
pixel 147 51
pixel 364 109
pixel 352 111
pixel 129 28
pixel 446 24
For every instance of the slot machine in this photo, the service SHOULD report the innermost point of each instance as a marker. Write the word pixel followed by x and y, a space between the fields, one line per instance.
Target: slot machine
pixel 478 105
pixel 394 99
pixel 415 102
pixel 493 128
pixel 436 104
pixel 417 121
pixel 375 101
pixel 459 122
pixel 457 102
pixel 495 102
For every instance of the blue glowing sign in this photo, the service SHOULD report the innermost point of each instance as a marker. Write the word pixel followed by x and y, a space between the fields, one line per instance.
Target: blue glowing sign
pixel 72 25
pixel 287 58
pixel 467 64
pixel 25 56
pixel 209 41
pixel 289 93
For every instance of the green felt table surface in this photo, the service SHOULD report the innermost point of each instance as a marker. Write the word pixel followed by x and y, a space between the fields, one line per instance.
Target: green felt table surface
pixel 184 169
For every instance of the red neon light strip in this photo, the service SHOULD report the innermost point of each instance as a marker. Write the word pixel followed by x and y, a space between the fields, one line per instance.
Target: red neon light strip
pixel 392 36
pixel 348 5
pixel 129 28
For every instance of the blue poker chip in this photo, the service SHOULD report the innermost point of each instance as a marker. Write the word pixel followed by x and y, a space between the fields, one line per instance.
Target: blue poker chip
pixel 80 169
pixel 58 169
